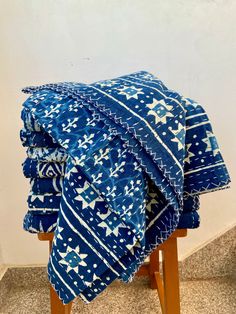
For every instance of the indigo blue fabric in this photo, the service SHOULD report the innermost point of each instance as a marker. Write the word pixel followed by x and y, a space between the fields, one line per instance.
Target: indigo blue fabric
pixel 40 220
pixel 44 200
pixel 47 154
pixel 36 139
pixel 191 203
pixel 36 223
pixel 46 185
pixel 36 169
pixel 137 153
pixel 189 220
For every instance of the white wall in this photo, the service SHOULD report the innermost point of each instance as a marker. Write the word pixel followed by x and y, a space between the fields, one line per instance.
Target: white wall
pixel 189 44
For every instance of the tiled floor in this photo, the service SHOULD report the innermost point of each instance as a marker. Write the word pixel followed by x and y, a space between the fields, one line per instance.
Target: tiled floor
pixel 217 296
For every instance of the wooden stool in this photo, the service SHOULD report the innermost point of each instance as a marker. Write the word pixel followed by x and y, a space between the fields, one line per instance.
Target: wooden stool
pixel 167 287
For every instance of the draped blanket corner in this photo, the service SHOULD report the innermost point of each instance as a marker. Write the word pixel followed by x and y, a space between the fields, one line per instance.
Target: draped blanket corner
pixel 115 167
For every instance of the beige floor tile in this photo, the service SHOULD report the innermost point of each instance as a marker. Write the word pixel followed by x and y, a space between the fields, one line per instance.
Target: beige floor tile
pixel 217 296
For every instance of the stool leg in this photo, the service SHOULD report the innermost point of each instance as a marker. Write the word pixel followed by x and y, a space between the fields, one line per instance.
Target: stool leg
pixel 57 307
pixel 171 277
pixel 160 291
pixel 155 277
pixel 153 268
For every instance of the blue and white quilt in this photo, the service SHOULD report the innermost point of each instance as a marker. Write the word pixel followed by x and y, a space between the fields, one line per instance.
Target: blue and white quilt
pixel 115 167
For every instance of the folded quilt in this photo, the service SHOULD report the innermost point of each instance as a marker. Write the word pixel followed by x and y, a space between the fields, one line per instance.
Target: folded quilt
pixel 47 154
pixel 189 220
pixel 41 205
pixel 36 139
pixel 36 223
pixel 137 153
pixel 30 124
pixel 45 221
pixel 44 200
pixel 46 185
pixel 37 169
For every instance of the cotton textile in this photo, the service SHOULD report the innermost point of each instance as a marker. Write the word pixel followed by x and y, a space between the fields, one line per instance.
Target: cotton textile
pixel 131 155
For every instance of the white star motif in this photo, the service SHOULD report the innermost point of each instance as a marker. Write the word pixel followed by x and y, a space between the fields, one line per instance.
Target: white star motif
pixel 211 143
pixel 110 228
pixel 130 92
pixel 131 247
pixel 89 283
pixel 179 135
pixel 188 154
pixel 57 234
pixel 160 110
pixel 108 83
pixel 72 258
pixel 59 230
pixel 88 195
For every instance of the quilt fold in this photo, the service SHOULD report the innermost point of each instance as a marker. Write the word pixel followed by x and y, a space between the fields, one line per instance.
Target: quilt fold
pixel 115 166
